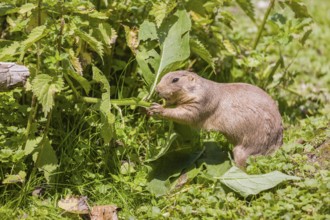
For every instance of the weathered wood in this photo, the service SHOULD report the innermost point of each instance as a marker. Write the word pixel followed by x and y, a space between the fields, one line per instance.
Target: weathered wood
pixel 12 75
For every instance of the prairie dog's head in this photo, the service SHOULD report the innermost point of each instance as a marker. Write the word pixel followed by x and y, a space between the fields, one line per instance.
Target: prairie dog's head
pixel 177 87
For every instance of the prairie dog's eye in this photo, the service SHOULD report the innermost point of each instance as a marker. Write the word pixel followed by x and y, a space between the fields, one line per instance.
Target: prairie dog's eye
pixel 175 80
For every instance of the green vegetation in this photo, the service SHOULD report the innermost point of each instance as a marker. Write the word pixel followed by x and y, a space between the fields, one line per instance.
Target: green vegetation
pixel 79 127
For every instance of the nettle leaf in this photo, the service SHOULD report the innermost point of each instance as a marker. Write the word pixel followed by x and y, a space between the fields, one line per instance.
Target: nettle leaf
pixel 8 53
pixel 74 60
pixel 96 45
pixel 299 8
pixel 26 8
pixel 108 34
pixel 7 9
pixel 174 39
pixel 107 118
pixel 246 185
pixel 161 9
pixel 198 48
pixel 35 35
pixel 247 7
pixel 45 87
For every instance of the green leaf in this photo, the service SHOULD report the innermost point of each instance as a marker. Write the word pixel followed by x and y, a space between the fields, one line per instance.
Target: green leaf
pixel 158 187
pixel 31 145
pixel 198 48
pixel 45 158
pixel 147 31
pixel 81 80
pixel 7 9
pixel 104 106
pixel 27 8
pixel 148 61
pixel 91 41
pixel 35 35
pixel 247 7
pixel 246 185
pixel 299 8
pixel 174 39
pixel 45 87
pixel 108 34
pixel 161 9
pixel 18 178
pixel 8 53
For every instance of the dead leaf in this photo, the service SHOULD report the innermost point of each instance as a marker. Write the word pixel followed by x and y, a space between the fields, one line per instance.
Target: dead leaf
pixel 104 212
pixel 74 204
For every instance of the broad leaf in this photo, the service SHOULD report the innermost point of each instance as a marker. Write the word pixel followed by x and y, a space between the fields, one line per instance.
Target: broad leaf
pixel 45 87
pixel 299 8
pixel 161 9
pixel 246 185
pixel 147 31
pixel 174 39
pixel 45 158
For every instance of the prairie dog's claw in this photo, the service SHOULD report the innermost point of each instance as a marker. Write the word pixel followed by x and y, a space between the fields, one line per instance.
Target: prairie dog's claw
pixel 155 109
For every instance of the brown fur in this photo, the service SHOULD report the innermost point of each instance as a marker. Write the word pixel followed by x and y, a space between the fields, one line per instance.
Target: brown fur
pixel 244 113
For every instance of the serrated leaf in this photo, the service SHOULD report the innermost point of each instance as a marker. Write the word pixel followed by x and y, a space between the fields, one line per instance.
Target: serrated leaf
pixel 107 117
pixel 108 34
pixel 198 48
pixel 45 87
pixel 31 145
pixel 18 178
pixel 247 7
pixel 8 53
pixel 35 35
pixel 7 9
pixel 26 8
pixel 160 10
pixel 75 62
pixel 246 185
pixel 229 47
pixel 147 31
pixel 299 8
pixel 175 44
pixel 91 41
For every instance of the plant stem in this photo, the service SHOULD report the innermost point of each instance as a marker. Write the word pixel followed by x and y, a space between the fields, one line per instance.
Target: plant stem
pixel 34 103
pixel 262 26
pixel 119 102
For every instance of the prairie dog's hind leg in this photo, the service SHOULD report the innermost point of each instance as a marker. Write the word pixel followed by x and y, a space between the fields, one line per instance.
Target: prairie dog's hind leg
pixel 240 155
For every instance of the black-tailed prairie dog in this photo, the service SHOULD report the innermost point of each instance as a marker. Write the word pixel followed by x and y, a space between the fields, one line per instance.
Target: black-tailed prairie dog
pixel 244 113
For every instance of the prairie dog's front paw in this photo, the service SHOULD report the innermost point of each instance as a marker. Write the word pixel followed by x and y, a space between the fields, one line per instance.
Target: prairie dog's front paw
pixel 155 109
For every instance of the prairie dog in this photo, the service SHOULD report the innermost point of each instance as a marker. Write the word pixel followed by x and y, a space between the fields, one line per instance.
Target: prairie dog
pixel 244 113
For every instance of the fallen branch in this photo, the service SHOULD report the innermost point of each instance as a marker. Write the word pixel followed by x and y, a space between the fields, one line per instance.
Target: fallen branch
pixel 12 75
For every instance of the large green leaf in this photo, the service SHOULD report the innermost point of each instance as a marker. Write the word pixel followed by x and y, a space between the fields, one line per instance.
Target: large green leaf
pixel 45 87
pixel 104 106
pixel 246 185
pixel 174 40
pixel 45 158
